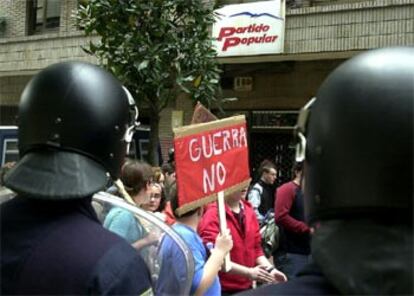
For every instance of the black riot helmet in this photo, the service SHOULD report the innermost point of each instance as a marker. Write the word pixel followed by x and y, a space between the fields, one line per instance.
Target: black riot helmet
pixel 358 134
pixel 75 121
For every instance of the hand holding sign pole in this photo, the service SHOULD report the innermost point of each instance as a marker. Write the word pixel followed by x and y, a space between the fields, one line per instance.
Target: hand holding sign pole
pixel 211 158
pixel 201 115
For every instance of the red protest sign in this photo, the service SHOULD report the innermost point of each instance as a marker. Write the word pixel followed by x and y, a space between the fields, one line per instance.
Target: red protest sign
pixel 210 157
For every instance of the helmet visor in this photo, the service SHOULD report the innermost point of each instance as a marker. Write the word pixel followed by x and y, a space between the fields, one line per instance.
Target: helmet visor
pixel 133 119
pixel 300 130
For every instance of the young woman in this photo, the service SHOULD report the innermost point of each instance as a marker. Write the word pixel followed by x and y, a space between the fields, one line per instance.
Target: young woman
pixel 137 179
pixel 156 202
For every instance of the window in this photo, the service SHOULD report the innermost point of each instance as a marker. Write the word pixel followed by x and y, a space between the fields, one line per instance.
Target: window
pixel 10 151
pixel 43 15
pixel 143 149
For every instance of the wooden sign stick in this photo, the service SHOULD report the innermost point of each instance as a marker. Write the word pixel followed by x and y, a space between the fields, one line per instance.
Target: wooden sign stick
pixel 223 225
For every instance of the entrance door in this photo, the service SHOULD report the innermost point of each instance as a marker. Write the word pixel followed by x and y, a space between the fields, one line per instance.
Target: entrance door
pixel 275 146
pixel 271 137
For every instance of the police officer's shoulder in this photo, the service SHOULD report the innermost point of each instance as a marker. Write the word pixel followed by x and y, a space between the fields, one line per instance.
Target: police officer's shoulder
pixel 120 271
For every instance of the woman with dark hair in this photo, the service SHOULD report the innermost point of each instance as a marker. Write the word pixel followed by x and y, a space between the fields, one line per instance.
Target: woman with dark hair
pixel 137 178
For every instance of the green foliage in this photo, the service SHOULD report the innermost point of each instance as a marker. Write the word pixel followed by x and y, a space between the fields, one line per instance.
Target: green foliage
pixel 156 48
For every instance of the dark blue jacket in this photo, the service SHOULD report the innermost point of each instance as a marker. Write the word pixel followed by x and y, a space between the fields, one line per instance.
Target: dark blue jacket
pixel 59 247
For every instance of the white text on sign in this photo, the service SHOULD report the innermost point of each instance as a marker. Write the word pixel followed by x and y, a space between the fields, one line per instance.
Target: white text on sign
pixel 218 143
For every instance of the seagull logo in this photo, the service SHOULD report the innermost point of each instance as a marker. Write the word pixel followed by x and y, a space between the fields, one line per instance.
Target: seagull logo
pixel 254 15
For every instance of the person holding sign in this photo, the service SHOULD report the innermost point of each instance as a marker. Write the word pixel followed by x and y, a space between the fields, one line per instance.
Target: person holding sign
pixel 205 280
pixel 248 262
pixel 212 162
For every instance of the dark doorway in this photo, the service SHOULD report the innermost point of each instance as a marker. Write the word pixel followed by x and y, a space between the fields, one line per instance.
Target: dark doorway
pixel 275 146
pixel 270 137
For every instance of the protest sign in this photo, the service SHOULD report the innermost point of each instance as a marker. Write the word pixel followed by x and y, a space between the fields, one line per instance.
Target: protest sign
pixel 202 114
pixel 210 157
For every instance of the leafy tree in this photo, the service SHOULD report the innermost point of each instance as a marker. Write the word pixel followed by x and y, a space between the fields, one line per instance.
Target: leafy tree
pixel 157 48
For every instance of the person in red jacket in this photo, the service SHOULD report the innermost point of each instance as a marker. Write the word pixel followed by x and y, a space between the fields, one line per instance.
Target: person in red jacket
pixel 248 260
pixel 294 248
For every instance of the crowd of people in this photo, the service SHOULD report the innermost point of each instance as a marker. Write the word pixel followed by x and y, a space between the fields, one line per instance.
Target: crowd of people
pixel 199 228
pixel 334 233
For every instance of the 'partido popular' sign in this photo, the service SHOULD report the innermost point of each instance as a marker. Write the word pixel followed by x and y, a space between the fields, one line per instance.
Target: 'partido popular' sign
pixel 249 29
pixel 210 157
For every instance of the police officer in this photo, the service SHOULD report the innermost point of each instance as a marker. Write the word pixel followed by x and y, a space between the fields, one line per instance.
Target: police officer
pixel 358 135
pixel 75 120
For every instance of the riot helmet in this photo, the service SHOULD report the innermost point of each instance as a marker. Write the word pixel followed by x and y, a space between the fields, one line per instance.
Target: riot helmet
pixel 75 121
pixel 357 138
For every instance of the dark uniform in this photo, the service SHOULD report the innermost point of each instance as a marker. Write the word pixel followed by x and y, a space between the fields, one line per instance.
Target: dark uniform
pixel 356 138
pixel 64 250
pixel 75 122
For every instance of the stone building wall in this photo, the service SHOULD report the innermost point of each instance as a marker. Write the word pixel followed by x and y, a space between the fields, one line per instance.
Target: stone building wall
pixel 321 30
pixel 15 15
pixel 349 27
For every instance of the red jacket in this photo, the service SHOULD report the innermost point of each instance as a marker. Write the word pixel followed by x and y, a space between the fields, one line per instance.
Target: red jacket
pixel 169 216
pixel 285 203
pixel 246 245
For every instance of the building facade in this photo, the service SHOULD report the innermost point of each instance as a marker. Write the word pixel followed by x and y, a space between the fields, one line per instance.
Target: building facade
pixel 269 89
